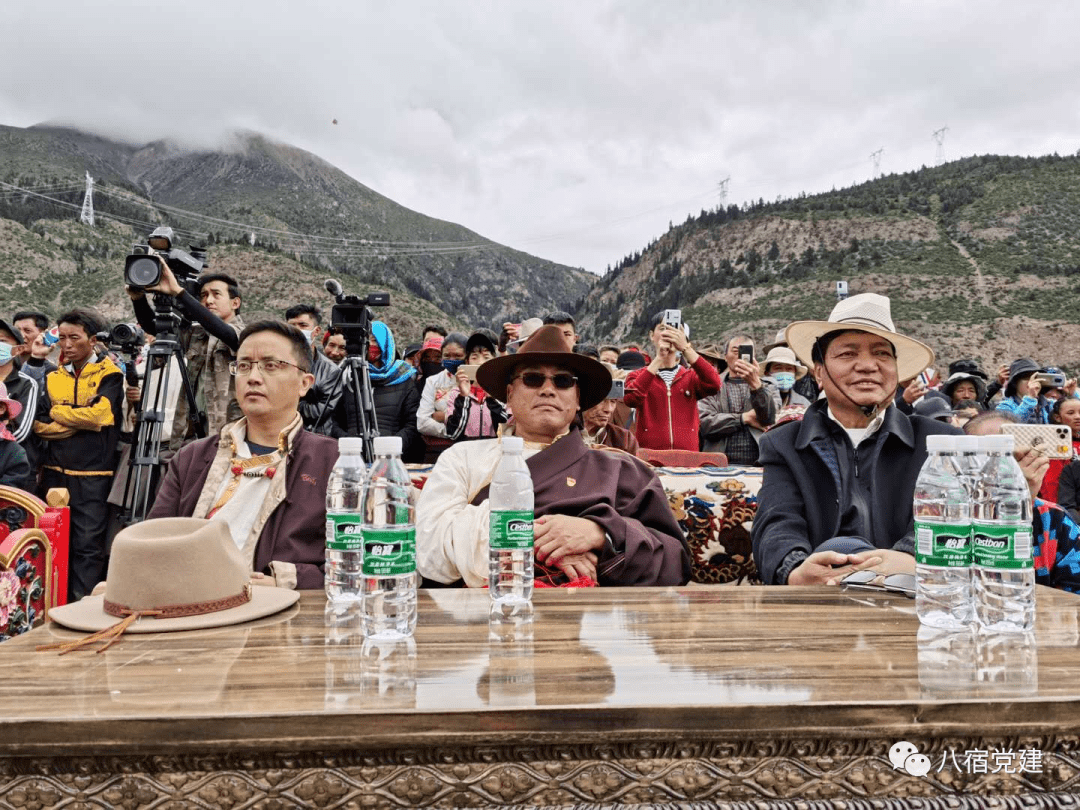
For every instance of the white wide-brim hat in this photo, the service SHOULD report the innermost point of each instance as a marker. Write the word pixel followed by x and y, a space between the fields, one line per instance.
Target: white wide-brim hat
pixel 866 312
pixel 782 354
pixel 189 569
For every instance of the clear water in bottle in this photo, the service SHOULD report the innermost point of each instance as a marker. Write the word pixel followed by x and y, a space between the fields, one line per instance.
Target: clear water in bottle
pixel 942 539
pixel 970 459
pixel 388 608
pixel 1004 573
pixel 344 521
pixel 510 574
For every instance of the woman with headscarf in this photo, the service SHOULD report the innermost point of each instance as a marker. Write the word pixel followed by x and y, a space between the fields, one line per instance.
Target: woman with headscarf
pixel 395 397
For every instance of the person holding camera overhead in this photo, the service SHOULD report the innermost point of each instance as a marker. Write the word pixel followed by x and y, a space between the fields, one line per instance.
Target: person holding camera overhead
pixel 1022 393
pixel 210 344
pixel 666 393
pixel 79 422
pixel 472 413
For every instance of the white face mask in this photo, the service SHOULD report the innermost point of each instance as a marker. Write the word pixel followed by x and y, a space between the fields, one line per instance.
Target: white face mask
pixel 785 380
pixel 308 333
pixel 5 354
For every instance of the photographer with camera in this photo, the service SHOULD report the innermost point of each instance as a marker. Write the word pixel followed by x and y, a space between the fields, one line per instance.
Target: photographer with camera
pixel 209 345
pixel 325 392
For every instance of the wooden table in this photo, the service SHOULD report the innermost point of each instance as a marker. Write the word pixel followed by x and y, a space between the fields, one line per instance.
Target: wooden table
pixel 607 696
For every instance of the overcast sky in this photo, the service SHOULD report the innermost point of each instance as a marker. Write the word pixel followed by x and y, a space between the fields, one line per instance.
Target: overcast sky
pixel 574 130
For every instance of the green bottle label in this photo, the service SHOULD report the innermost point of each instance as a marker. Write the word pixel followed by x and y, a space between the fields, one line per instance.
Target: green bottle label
pixel 1005 548
pixel 389 552
pixel 343 532
pixel 511 531
pixel 947 545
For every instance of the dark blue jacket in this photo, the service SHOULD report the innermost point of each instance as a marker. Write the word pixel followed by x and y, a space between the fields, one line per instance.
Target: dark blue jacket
pixel 802 500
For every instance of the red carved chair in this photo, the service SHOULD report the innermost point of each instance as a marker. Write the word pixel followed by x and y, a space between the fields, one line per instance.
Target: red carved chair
pixel 33 559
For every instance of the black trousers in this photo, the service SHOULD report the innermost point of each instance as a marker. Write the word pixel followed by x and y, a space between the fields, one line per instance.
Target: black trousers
pixel 89 509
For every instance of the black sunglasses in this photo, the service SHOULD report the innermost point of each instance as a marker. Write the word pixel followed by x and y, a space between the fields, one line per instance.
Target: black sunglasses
pixel 894 583
pixel 534 379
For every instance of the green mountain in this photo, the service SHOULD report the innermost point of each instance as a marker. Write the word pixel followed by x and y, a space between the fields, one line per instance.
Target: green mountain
pixel 980 257
pixel 293 203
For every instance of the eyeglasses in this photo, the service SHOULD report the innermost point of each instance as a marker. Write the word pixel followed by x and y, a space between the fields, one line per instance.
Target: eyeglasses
pixel 893 583
pixel 269 367
pixel 534 379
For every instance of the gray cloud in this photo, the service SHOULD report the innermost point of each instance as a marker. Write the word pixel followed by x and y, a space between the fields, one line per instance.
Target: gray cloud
pixel 573 130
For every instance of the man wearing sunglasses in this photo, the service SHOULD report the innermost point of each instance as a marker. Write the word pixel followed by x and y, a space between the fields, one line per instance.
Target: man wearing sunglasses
pixel 264 474
pixel 600 514
pixel 838 486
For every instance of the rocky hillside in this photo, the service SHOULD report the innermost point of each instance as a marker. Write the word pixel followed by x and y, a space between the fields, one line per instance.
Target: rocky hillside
pixel 295 204
pixel 981 258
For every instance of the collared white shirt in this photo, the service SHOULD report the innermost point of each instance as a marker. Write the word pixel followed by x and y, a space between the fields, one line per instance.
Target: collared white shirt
pixel 859 435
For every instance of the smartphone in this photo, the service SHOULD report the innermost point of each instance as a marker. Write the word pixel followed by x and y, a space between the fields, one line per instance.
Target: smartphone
pixel 470 372
pixel 746 352
pixel 1050 380
pixel 673 318
pixel 618 389
pixel 1053 441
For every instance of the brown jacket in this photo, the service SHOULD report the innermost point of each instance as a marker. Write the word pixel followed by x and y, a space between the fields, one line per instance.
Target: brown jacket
pixel 294 532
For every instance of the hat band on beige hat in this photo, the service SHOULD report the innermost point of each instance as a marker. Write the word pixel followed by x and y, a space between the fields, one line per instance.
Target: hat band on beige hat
pixel 171 574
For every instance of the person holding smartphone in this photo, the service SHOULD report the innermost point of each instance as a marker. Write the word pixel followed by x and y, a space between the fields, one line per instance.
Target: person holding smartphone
pixel 1022 396
pixel 472 413
pixel 666 393
pixel 733 420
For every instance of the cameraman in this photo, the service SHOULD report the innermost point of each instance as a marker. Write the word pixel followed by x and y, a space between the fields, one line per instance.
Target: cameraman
pixel 209 345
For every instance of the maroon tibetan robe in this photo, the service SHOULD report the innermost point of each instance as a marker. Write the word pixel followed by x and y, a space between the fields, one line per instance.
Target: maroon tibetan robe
pixel 624 496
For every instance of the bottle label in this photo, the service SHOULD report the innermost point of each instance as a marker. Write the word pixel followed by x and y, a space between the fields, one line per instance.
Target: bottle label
pixel 343 532
pixel 947 545
pixel 511 531
pixel 389 552
pixel 1003 547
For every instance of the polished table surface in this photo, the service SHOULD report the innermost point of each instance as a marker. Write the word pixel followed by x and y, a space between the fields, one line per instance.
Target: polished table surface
pixel 593 666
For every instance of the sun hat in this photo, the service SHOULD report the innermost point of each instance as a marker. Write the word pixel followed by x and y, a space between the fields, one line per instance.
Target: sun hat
pixel 782 354
pixel 11 330
pixel 189 569
pixel 630 360
pixel 780 340
pixel 547 346
pixel 968 366
pixel 525 331
pixel 866 312
pixel 1018 368
pixel 434 342
pixel 14 407
pixel 958 377
pixel 711 351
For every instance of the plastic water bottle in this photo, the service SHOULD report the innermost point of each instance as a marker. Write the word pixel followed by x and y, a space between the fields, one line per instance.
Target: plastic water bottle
pixel 970 459
pixel 510 577
pixel 1004 567
pixel 344 519
pixel 942 539
pixel 388 610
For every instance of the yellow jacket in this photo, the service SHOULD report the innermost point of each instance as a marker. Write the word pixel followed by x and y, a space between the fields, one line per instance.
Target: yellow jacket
pixel 80 417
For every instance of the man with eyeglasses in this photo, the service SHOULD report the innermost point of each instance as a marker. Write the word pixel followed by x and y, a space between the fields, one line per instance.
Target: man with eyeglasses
pixel 264 475
pixel 600 514
pixel 837 491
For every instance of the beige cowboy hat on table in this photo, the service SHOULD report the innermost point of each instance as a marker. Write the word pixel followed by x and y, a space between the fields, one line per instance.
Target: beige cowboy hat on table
pixel 175 574
pixel 866 312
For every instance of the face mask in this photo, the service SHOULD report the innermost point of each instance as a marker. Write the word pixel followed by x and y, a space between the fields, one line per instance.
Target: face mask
pixel 373 354
pixel 451 366
pixel 307 333
pixel 430 368
pixel 5 353
pixel 785 380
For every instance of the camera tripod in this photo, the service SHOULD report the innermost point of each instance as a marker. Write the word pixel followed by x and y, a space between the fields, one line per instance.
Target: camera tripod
pixel 352 317
pixel 145 465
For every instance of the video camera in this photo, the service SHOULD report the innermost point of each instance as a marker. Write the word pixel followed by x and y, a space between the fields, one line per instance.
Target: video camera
pixel 352 314
pixel 124 337
pixel 142 268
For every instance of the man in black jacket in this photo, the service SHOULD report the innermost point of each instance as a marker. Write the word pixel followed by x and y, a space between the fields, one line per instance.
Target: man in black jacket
pixel 838 486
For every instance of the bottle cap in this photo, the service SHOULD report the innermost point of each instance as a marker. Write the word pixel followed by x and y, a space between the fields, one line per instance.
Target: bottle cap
pixel 996 443
pixel 940 443
pixel 350 446
pixel 512 444
pixel 387 445
pixel 967 444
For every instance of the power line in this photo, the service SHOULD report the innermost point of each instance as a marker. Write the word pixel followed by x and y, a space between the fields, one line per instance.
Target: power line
pixel 86 216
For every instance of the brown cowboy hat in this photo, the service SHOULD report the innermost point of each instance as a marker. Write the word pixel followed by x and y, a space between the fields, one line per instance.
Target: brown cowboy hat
pixel 188 568
pixel 547 346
